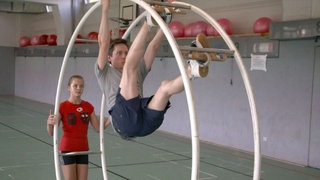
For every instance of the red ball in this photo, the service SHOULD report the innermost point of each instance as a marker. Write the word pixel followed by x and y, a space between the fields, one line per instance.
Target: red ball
pixel 93 35
pixel 24 41
pixel 35 40
pixel 199 27
pixel 177 29
pixel 188 30
pixel 225 24
pixel 79 36
pixel 52 40
pixel 122 32
pixel 262 25
pixel 211 31
pixel 43 39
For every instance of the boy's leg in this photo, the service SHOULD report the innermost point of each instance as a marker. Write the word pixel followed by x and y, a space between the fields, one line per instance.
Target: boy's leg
pixel 166 16
pixel 165 91
pixel 128 83
pixel 169 88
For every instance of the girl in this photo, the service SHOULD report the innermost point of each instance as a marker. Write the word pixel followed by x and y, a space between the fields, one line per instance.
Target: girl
pixel 75 115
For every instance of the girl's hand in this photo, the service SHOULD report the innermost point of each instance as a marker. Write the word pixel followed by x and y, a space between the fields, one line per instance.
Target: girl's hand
pixel 51 119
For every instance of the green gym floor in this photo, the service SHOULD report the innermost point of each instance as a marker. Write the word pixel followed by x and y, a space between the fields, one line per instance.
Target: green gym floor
pixel 26 153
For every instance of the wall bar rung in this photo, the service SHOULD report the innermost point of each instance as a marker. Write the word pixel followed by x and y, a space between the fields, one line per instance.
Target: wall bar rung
pixel 87 40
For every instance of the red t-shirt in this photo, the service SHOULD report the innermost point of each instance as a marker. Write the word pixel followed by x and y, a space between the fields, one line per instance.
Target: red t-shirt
pixel 75 120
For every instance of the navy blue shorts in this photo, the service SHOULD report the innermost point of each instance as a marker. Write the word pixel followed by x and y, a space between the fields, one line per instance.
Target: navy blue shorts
pixel 132 118
pixel 73 159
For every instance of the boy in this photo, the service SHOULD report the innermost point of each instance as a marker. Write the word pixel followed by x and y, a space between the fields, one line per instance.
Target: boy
pixel 121 72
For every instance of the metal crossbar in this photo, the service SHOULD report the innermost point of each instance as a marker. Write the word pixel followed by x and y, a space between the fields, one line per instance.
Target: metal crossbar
pixel 79 153
pixel 168 4
pixel 213 50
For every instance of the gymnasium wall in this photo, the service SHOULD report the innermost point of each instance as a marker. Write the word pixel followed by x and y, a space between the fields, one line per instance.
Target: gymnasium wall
pixel 242 14
pixel 9 30
pixel 314 154
pixel 59 22
pixel 7 67
pixel 37 78
pixel 283 95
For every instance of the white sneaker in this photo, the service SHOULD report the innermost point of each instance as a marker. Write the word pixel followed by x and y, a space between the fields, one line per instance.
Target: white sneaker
pixel 197 70
pixel 166 16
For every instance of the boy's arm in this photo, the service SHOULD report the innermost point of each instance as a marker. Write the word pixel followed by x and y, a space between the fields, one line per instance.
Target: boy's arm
pixel 104 35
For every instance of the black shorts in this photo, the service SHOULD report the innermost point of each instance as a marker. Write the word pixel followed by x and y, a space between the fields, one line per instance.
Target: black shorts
pixel 132 118
pixel 73 159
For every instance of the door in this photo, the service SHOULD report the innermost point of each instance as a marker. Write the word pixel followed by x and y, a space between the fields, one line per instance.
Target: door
pixel 314 147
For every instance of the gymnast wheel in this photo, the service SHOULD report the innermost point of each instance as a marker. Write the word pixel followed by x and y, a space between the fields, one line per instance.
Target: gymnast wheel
pixel 177 53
